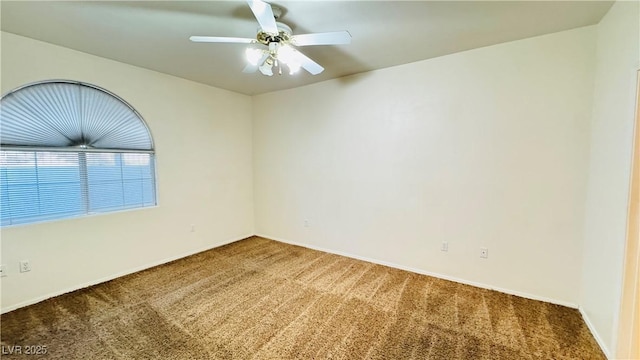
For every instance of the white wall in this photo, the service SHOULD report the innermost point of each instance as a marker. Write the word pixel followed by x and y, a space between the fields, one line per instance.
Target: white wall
pixel 485 148
pixel 618 59
pixel 203 141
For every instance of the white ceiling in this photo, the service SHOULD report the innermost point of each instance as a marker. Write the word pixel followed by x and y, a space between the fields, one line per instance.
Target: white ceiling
pixel 154 34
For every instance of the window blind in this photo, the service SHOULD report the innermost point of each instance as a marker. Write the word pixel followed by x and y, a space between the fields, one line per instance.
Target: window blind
pixel 71 149
pixel 67 114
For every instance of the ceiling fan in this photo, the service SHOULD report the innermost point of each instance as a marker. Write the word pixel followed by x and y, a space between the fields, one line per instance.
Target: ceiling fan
pixel 280 43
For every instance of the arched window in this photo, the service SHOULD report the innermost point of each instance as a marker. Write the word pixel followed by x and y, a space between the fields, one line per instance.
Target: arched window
pixel 70 149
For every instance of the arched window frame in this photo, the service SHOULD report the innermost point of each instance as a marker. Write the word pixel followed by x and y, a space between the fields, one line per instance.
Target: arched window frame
pixel 95 197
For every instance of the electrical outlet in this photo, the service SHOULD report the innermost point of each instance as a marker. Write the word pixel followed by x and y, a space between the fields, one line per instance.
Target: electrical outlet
pixel 3 271
pixel 444 246
pixel 25 266
pixel 192 228
pixel 484 253
pixel 306 223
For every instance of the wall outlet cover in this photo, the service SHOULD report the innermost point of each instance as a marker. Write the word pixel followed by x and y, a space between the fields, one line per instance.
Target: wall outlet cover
pixel 25 266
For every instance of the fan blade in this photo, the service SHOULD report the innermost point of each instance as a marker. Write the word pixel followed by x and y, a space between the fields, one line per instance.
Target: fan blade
pixel 327 38
pixel 311 66
pixel 264 15
pixel 218 39
pixel 250 68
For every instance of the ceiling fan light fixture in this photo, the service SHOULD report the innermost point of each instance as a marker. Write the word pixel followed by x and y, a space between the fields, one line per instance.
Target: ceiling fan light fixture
pixel 253 55
pixel 287 55
pixel 294 67
pixel 266 68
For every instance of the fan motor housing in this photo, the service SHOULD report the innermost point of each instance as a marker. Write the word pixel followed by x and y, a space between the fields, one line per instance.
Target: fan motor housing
pixel 283 36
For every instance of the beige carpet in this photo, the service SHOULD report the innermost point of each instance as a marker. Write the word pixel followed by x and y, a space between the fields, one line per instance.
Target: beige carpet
pixel 260 299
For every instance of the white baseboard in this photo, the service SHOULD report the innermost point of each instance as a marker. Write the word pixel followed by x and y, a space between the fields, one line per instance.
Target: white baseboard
pixel 592 329
pixel 117 275
pixel 428 273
